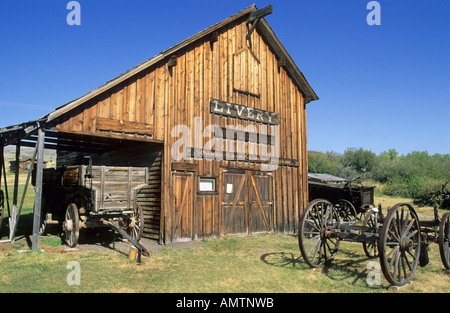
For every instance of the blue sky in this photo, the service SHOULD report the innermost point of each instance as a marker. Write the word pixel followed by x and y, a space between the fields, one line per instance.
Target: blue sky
pixel 380 87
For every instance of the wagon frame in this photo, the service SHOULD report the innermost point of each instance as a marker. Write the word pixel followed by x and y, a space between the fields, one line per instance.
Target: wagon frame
pixel 353 199
pixel 399 239
pixel 85 196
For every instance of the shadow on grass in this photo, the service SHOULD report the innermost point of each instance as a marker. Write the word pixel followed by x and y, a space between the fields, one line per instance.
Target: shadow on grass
pixel 348 266
pixel 282 259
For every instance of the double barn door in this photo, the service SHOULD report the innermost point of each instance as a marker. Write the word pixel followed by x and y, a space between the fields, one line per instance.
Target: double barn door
pixel 246 204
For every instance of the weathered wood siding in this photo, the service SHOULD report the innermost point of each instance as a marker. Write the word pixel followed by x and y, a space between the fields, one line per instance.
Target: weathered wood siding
pixel 222 66
pixel 214 70
pixel 149 199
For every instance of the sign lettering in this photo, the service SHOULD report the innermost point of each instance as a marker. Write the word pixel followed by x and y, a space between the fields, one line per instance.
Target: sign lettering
pixel 243 112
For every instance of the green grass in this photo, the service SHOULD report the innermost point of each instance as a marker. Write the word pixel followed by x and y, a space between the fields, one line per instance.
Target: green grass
pixel 26 219
pixel 261 264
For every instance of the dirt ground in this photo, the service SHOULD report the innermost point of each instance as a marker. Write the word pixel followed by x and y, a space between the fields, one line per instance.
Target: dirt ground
pixel 96 241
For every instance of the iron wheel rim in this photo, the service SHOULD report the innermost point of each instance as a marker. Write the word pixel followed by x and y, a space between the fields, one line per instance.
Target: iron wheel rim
pixel 372 249
pixel 444 240
pixel 316 244
pixel 71 225
pixel 400 244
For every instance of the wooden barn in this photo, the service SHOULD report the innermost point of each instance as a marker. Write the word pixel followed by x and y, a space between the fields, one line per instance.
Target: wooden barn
pixel 24 165
pixel 219 121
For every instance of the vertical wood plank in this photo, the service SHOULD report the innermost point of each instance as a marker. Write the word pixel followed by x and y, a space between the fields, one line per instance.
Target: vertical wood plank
pixel 150 99
pixel 38 189
pixel 140 99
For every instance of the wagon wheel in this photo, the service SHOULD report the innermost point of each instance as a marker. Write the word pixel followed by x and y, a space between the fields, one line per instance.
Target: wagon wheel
pixel 136 223
pixel 444 240
pixel 346 211
pixel 315 236
pixel 371 249
pixel 364 208
pixel 400 244
pixel 71 225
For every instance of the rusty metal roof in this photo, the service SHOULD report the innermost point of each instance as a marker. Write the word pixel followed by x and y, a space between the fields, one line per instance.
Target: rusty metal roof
pixel 325 178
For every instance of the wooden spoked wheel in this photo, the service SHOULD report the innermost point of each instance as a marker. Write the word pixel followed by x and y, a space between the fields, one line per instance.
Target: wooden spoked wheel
pixel 363 209
pixel 136 223
pixel 372 220
pixel 444 240
pixel 400 244
pixel 346 211
pixel 316 241
pixel 71 225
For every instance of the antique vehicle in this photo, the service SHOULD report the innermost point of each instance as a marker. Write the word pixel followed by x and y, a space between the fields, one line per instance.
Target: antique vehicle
pixel 85 196
pixel 353 199
pixel 400 240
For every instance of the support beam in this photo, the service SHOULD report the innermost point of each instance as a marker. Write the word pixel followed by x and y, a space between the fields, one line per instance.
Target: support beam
pixel 6 186
pixel 38 190
pixel 25 188
pixel 12 219
pixel 254 18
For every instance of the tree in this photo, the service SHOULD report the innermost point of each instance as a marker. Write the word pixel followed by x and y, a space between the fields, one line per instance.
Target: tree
pixel 319 162
pixel 359 160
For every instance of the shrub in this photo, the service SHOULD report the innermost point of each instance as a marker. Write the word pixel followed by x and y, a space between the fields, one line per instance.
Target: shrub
pixel 434 193
pixel 410 175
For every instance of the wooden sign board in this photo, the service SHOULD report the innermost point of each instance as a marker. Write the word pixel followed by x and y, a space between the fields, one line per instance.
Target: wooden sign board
pixel 243 112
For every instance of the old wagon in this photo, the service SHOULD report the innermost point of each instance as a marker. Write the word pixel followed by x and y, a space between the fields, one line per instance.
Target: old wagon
pixel 399 239
pixel 353 199
pixel 86 196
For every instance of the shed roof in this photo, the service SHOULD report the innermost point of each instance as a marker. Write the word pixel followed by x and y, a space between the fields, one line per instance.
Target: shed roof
pixel 325 178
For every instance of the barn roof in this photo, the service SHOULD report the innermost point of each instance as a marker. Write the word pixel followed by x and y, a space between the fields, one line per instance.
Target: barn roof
pixel 11 133
pixel 263 26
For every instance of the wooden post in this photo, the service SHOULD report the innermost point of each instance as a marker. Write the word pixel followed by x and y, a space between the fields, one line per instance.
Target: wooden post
pixel 38 196
pixel 6 185
pixel 12 219
pixel 25 188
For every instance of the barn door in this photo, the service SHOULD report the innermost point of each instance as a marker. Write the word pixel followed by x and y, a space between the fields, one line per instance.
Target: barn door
pixel 247 205
pixel 234 216
pixel 261 202
pixel 182 206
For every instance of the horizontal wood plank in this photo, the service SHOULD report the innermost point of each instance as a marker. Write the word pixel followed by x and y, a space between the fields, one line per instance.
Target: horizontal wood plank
pixel 121 126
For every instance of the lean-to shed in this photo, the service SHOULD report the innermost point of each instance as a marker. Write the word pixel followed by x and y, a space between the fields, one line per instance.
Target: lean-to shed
pixel 220 120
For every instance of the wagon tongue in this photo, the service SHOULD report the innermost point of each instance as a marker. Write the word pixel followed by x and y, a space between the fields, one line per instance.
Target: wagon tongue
pixel 141 249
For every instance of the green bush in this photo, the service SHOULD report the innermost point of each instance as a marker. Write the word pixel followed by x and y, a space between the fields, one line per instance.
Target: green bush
pixel 434 193
pixel 415 175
